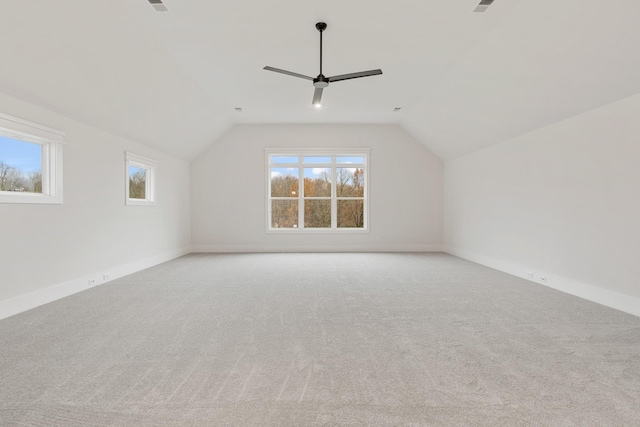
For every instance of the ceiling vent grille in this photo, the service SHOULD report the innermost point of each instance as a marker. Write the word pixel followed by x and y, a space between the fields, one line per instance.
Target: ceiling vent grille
pixel 483 6
pixel 158 5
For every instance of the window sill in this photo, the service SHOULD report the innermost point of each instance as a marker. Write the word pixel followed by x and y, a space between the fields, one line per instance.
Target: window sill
pixel 29 198
pixel 140 202
pixel 317 230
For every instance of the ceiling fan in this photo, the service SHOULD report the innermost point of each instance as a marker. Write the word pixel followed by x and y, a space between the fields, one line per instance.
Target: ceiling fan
pixel 320 82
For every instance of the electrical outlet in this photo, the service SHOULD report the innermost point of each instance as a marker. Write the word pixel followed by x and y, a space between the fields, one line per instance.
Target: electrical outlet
pixel 530 275
pixel 92 282
pixel 543 279
pixel 105 277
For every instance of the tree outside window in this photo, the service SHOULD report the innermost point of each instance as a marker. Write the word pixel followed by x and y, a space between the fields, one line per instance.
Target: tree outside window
pixel 317 192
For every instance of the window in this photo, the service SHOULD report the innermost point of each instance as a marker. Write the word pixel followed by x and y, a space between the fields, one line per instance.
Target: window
pixel 30 162
pixel 317 190
pixel 140 180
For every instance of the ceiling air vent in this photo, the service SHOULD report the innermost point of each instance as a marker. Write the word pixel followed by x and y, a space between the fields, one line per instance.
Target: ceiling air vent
pixel 483 6
pixel 158 6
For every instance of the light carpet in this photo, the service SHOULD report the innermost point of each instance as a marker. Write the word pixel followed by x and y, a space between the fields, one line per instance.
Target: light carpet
pixel 320 339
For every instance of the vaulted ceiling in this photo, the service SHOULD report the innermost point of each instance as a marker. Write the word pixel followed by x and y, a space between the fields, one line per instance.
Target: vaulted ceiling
pixel 463 80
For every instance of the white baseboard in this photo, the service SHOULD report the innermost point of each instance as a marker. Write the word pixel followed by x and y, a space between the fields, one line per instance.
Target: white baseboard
pixel 599 295
pixel 314 249
pixel 49 294
pixel 606 297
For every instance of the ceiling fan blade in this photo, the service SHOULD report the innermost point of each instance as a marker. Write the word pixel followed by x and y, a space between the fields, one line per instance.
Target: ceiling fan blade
pixel 289 73
pixel 317 96
pixel 354 75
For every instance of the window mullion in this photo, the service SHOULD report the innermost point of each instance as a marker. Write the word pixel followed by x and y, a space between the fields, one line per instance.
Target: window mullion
pixel 300 193
pixel 147 184
pixel 334 203
pixel 45 173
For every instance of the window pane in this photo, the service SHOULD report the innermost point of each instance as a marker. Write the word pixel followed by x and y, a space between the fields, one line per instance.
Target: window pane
pixel 350 159
pixel 284 159
pixel 317 213
pixel 317 159
pixel 137 183
pixel 350 182
pixel 284 182
pixel 284 213
pixel 350 214
pixel 20 166
pixel 317 182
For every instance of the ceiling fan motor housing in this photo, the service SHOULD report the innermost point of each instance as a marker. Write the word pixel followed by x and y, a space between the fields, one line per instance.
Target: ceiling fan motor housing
pixel 321 81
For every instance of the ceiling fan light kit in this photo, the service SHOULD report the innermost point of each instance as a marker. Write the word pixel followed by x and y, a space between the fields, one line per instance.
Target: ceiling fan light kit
pixel 321 81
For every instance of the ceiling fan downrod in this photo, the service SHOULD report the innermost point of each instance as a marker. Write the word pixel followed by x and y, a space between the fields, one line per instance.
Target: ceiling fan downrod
pixel 321 26
pixel 321 81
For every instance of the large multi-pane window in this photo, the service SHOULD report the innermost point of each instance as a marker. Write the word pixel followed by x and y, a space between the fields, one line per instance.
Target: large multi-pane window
pixel 317 190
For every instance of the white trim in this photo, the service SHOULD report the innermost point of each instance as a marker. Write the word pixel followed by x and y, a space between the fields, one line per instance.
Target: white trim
pixel 317 151
pixel 18 128
pixel 136 158
pixel 325 231
pixel 606 297
pixel 49 294
pixel 315 249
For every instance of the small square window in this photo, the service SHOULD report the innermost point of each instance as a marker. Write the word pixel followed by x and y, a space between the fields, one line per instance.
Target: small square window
pixel 140 180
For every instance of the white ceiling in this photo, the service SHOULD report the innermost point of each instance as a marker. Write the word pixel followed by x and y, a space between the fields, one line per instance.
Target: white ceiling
pixel 464 80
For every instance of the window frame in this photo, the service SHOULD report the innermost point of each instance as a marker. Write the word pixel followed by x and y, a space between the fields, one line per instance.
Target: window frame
pixel 301 197
pixel 52 141
pixel 150 165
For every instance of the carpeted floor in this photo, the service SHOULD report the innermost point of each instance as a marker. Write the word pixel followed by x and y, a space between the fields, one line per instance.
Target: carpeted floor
pixel 320 339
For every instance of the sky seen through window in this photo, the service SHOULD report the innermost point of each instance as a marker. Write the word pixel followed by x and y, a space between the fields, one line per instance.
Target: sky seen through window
pixel 22 155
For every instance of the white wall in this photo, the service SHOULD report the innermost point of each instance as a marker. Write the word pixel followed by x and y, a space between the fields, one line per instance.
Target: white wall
pixel 562 201
pixel 93 231
pixel 228 195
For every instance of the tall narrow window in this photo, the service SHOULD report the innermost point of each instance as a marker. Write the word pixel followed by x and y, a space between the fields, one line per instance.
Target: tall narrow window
pixel 317 191
pixel 350 193
pixel 30 162
pixel 140 180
